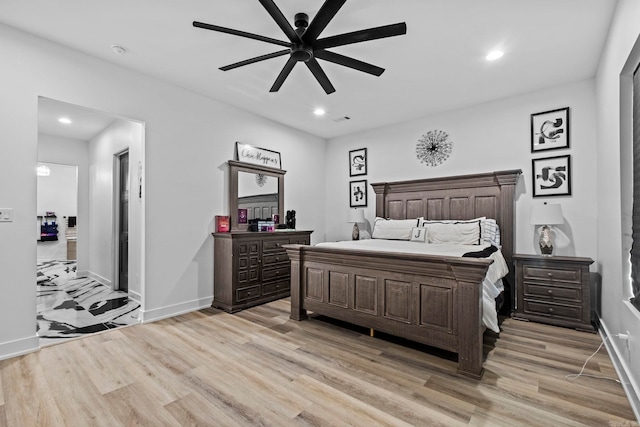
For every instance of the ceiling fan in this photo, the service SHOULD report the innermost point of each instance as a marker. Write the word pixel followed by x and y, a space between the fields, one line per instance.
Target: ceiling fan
pixel 304 45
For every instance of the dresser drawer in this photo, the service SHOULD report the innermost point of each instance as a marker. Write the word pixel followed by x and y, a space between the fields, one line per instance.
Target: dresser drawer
pixel 272 245
pixel 553 310
pixel 552 274
pixel 276 288
pixel 549 291
pixel 244 294
pixel 299 241
pixel 281 272
pixel 272 259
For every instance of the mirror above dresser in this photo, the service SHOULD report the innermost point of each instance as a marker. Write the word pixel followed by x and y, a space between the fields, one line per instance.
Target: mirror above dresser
pixel 257 189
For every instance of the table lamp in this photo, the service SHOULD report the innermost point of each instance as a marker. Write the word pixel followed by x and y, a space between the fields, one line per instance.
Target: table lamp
pixel 355 216
pixel 546 215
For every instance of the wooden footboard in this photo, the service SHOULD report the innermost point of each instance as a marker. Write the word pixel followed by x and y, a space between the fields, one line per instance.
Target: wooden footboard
pixel 429 299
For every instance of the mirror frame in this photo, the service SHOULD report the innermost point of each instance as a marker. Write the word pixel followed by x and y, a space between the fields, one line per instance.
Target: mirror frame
pixel 234 168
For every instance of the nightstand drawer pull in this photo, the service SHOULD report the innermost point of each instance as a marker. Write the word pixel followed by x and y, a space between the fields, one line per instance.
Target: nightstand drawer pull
pixel 550 310
pixel 550 292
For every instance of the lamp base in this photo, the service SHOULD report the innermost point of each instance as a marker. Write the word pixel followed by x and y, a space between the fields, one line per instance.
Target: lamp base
pixel 355 234
pixel 546 245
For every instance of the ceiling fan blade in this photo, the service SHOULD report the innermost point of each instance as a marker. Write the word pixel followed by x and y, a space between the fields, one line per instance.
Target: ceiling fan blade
pixel 362 36
pixel 283 75
pixel 240 33
pixel 282 22
pixel 320 76
pixel 322 18
pixel 256 59
pixel 336 58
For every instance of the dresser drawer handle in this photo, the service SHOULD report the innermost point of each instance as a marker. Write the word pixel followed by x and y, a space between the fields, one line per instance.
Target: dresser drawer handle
pixel 551 310
pixel 550 292
pixel 550 274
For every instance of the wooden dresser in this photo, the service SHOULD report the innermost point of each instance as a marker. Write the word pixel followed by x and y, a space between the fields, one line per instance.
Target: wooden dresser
pixel 252 268
pixel 554 290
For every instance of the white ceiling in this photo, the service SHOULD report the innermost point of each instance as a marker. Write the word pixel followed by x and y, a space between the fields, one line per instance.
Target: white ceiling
pixel 437 66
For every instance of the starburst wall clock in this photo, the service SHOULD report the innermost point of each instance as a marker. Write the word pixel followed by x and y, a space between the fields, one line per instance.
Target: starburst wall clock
pixel 434 147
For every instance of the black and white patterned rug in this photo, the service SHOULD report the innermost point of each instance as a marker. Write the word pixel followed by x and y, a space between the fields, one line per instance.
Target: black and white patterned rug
pixel 70 307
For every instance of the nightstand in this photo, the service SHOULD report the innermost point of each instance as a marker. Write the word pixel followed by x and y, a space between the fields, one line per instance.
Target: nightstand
pixel 554 290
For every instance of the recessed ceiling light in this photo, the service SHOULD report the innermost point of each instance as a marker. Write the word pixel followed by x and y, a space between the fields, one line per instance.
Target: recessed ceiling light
pixel 319 112
pixel 64 120
pixel 493 55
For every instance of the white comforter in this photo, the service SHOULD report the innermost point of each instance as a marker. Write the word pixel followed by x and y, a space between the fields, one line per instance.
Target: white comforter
pixel 491 285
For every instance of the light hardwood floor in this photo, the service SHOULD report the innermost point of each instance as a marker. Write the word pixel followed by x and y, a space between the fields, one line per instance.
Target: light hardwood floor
pixel 258 368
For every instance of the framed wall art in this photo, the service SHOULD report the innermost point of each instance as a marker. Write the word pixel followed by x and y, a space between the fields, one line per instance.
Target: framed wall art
pixel 257 156
pixel 358 193
pixel 552 176
pixel 550 130
pixel 358 162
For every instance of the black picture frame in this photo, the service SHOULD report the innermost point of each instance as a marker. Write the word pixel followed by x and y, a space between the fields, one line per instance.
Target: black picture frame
pixel 358 162
pixel 358 193
pixel 550 130
pixel 551 176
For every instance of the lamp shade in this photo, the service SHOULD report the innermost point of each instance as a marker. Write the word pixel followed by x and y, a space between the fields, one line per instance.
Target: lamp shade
pixel 355 215
pixel 547 214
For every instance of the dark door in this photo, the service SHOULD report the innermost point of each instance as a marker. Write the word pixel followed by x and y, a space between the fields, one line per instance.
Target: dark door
pixel 123 224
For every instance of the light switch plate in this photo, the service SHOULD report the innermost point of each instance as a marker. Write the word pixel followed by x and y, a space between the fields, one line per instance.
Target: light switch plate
pixel 6 214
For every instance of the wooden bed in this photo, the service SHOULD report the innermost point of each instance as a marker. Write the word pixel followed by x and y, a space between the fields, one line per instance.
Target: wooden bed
pixel 433 300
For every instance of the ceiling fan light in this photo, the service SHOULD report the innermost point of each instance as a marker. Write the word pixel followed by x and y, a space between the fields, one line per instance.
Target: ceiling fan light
pixel 319 112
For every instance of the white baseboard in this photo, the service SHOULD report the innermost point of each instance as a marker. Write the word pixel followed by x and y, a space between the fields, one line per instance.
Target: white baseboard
pixel 19 347
pixel 174 310
pixel 135 296
pixel 99 278
pixel 622 369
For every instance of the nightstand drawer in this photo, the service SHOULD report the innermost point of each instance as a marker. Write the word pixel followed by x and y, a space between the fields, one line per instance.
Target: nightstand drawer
pixel 552 274
pixel 547 291
pixel 553 310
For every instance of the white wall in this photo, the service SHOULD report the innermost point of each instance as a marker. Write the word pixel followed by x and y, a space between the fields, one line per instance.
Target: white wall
pixel 487 137
pixel 188 139
pixel 75 152
pixel 119 136
pixel 614 187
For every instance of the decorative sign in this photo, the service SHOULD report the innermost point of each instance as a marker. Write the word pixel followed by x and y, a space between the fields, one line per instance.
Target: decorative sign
pixel 258 156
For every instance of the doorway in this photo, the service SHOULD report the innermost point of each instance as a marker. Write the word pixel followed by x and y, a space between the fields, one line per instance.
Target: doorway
pixel 122 221
pixel 93 292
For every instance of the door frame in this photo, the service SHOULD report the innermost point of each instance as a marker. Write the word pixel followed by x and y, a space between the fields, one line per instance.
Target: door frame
pixel 115 283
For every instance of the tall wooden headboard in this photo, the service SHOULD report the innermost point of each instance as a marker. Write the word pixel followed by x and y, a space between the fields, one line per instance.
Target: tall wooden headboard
pixel 489 194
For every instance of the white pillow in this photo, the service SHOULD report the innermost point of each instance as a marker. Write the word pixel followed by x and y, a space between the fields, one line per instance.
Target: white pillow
pixel 393 229
pixel 418 234
pixel 491 232
pixel 489 229
pixel 463 233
